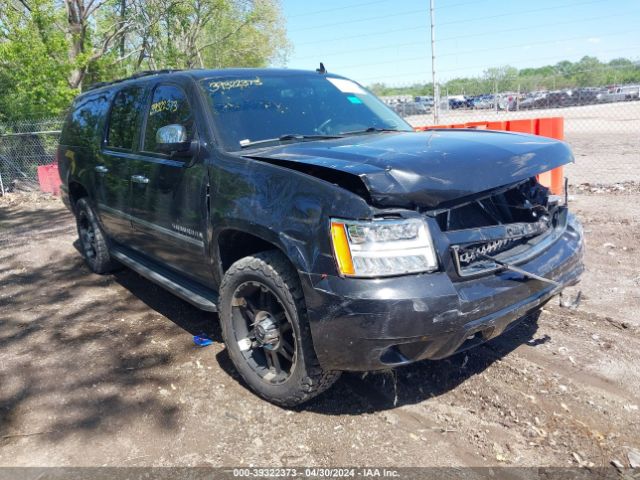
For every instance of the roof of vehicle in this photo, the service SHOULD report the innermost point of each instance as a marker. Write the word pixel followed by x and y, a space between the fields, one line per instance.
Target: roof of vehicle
pixel 198 74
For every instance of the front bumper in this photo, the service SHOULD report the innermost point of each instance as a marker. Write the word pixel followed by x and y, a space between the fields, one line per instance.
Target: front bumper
pixel 365 324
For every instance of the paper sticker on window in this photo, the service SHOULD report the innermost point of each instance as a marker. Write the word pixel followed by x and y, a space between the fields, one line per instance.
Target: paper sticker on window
pixel 353 99
pixel 347 86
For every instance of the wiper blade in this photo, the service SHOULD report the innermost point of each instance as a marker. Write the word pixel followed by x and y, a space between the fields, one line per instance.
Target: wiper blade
pixel 288 136
pixel 370 130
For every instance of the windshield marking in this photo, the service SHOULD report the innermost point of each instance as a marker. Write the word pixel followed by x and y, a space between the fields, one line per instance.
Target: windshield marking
pixel 231 84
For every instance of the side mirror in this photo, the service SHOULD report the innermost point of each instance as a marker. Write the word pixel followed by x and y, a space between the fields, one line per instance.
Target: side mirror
pixel 172 140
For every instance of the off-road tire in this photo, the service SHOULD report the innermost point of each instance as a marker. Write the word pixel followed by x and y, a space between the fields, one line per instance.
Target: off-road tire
pixel 101 262
pixel 308 378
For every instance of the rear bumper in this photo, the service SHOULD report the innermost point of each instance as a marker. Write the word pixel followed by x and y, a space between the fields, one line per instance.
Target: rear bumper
pixel 363 324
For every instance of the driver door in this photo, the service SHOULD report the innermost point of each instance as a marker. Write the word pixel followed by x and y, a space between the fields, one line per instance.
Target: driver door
pixel 168 194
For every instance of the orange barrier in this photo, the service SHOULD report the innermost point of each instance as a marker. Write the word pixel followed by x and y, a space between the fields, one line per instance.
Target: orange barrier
pixel 552 127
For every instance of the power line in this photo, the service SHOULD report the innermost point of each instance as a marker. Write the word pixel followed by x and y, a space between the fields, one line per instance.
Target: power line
pixel 346 7
pixel 378 33
pixel 444 7
pixel 410 59
pixel 521 13
pixel 412 44
pixel 360 20
pixel 542 25
pixel 532 44
pixel 362 35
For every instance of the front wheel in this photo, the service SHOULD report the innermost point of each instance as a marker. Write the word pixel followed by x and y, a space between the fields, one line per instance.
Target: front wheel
pixel 266 331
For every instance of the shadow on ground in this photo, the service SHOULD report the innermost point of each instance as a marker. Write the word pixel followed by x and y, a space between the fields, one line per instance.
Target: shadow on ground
pixel 83 351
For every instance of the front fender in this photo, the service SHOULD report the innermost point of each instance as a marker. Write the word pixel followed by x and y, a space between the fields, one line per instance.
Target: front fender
pixel 284 207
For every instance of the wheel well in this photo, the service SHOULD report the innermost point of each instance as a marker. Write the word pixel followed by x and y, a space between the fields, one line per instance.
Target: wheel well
pixel 76 192
pixel 235 244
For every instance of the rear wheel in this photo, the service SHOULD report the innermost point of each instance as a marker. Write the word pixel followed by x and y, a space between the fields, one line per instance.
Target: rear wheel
pixel 266 331
pixel 93 241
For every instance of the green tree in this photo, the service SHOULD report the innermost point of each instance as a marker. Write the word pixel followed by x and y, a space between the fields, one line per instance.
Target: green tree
pixel 33 82
pixel 51 49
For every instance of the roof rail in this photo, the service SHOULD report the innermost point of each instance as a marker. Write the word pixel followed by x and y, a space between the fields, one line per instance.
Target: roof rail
pixel 144 73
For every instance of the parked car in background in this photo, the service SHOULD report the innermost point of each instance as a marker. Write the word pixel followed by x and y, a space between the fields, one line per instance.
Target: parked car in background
pixel 406 109
pixel 425 100
pixel 586 95
pixel 456 101
pixel 612 95
pixel 534 100
pixel 559 98
pixel 484 102
pixel 631 92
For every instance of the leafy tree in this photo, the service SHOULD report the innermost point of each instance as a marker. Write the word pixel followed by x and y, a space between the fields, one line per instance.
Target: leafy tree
pixel 33 82
pixel 51 49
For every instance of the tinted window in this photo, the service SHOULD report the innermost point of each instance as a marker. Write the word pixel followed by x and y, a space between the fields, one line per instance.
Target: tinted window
pixel 86 120
pixel 122 123
pixel 257 108
pixel 169 106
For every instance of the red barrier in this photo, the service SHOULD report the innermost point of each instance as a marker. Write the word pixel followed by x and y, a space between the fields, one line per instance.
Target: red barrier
pixel 49 178
pixel 552 127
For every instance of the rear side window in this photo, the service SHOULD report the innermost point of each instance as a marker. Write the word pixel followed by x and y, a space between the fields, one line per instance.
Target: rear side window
pixel 122 122
pixel 85 121
pixel 169 105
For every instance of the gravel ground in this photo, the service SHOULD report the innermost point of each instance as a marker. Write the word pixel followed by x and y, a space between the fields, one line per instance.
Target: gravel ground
pixel 101 370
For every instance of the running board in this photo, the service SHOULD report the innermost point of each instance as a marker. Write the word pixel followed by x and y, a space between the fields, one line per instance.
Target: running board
pixel 197 295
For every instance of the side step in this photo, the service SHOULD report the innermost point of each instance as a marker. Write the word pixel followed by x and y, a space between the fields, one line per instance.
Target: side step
pixel 197 295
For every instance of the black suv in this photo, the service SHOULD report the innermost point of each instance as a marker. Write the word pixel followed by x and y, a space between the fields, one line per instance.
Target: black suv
pixel 326 233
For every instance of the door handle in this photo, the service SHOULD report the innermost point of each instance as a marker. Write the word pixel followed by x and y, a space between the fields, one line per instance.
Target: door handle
pixel 139 179
pixel 101 169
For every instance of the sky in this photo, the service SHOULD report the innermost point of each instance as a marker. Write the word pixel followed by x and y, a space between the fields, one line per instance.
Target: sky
pixel 389 41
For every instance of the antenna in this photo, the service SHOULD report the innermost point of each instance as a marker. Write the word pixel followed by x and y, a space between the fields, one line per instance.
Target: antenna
pixel 321 70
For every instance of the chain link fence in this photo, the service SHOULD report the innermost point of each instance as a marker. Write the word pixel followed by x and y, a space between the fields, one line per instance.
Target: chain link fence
pixel 602 125
pixel 24 146
pixel 605 136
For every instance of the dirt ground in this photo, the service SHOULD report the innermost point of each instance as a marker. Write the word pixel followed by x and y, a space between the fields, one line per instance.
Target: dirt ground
pixel 101 370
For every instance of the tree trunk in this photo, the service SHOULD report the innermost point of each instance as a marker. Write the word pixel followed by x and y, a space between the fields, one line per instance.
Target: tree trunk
pixel 76 31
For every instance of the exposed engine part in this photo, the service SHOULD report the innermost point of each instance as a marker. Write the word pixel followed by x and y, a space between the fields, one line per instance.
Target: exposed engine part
pixel 526 202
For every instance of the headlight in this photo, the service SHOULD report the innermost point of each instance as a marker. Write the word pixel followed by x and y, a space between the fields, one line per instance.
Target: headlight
pixel 382 247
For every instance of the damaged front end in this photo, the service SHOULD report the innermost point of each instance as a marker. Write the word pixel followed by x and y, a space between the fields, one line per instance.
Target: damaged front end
pixel 502 245
pixel 502 255
pixel 507 227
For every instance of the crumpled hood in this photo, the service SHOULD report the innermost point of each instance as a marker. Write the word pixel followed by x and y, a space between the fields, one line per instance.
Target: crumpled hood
pixel 427 169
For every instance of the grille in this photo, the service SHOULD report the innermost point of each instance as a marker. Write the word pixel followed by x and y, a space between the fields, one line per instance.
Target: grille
pixel 474 252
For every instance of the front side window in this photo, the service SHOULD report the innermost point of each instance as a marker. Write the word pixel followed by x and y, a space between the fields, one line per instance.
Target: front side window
pixel 123 119
pixel 255 108
pixel 169 106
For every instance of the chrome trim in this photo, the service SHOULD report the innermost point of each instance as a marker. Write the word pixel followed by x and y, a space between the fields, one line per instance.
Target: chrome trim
pixel 542 243
pixel 152 226
pixel 133 156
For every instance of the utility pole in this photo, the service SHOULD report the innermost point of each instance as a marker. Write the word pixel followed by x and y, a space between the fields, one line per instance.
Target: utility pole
pixel 436 89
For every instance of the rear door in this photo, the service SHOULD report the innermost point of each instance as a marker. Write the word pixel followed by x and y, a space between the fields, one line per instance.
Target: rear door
pixel 168 194
pixel 113 165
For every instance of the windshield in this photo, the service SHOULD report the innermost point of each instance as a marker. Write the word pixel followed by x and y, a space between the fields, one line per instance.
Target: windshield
pixel 249 110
